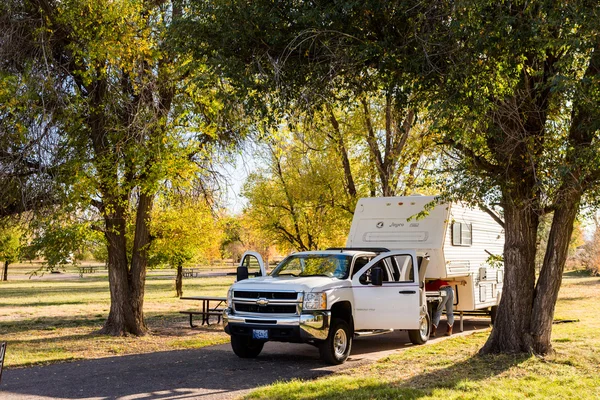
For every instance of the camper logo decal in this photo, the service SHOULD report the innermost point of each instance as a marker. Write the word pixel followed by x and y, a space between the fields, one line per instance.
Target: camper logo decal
pixel 380 224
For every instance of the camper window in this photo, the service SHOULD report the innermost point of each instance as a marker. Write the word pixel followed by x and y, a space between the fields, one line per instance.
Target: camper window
pixel 462 234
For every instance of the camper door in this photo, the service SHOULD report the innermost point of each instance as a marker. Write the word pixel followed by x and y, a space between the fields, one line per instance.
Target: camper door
pixel 394 304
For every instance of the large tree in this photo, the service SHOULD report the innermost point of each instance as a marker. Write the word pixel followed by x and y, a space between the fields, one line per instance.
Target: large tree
pixel 185 231
pixel 103 108
pixel 296 197
pixel 520 107
pixel 318 164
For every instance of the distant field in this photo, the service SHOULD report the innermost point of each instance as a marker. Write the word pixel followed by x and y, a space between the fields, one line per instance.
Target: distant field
pixel 452 370
pixel 55 317
pixel 24 270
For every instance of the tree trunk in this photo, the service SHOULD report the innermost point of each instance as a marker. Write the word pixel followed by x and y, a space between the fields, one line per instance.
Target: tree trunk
pixel 127 282
pixel 343 153
pixel 120 319
pixel 550 279
pixel 179 280
pixel 511 333
pixel 5 274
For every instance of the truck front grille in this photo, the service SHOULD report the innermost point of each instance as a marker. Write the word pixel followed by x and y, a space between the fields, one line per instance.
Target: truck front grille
pixel 267 302
pixel 269 309
pixel 265 295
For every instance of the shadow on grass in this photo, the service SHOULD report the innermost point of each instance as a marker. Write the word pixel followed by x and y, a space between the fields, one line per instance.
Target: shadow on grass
pixel 43 303
pixel 567 299
pixel 158 320
pixel 593 282
pixel 48 323
pixel 476 368
pixel 456 376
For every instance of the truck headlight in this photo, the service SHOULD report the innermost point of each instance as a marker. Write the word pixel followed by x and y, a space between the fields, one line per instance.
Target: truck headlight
pixel 230 298
pixel 315 301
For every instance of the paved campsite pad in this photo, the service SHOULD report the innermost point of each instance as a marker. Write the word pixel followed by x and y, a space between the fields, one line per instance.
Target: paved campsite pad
pixel 208 373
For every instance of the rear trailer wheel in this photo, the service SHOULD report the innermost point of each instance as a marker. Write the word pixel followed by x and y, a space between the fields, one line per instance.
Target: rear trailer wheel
pixel 336 348
pixel 245 347
pixel 421 335
pixel 493 312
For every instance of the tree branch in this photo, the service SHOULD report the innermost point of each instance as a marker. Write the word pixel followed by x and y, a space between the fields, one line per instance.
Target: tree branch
pixel 492 214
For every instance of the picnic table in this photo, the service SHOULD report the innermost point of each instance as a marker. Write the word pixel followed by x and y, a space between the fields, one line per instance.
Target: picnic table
pixel 211 306
pixel 191 272
pixel 87 269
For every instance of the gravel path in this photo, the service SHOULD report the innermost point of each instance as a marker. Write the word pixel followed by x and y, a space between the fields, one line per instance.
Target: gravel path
pixel 209 373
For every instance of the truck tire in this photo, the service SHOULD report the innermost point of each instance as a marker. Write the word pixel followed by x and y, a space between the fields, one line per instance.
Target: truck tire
pixel 421 336
pixel 245 347
pixel 493 312
pixel 336 348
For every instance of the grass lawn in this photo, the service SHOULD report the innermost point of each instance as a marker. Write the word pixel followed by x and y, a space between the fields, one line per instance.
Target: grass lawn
pixel 452 369
pixel 55 318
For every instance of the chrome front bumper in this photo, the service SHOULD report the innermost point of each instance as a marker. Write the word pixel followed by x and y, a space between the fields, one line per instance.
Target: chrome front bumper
pixel 312 326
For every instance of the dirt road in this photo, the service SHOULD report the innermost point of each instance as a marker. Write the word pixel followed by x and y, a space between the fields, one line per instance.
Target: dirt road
pixel 208 373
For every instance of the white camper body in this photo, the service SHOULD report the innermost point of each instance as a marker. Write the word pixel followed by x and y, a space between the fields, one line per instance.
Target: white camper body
pixel 458 240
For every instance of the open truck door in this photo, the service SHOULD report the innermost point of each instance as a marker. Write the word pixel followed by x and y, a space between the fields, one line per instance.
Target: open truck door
pixel 251 265
pixel 389 299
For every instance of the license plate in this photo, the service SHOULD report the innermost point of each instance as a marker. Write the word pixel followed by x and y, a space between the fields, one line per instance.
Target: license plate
pixel 260 333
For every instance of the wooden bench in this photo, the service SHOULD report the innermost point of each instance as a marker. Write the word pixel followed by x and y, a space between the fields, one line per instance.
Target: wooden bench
pixel 217 312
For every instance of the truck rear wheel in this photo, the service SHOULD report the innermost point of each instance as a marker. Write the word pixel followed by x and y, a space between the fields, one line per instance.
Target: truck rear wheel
pixel 245 347
pixel 336 348
pixel 421 335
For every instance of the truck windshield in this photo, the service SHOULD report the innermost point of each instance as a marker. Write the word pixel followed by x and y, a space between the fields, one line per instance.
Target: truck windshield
pixel 332 265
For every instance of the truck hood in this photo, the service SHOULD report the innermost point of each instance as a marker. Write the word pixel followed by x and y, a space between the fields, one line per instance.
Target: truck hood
pixel 290 283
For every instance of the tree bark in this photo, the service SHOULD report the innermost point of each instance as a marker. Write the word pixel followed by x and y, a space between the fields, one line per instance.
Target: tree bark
pixel 5 274
pixel 122 319
pixel 550 279
pixel 511 333
pixel 179 280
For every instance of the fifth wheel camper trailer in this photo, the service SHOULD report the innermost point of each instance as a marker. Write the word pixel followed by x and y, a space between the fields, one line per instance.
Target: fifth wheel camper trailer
pixel 461 243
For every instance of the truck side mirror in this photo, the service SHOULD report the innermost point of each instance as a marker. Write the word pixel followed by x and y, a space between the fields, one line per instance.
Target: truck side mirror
pixel 377 276
pixel 242 273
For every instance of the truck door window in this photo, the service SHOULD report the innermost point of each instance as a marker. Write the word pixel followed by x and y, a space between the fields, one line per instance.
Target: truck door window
pixel 365 278
pixel 252 264
pixel 406 270
pixel 359 263
pixel 394 268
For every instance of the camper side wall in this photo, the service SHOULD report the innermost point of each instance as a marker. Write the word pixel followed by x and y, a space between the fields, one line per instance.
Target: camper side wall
pixel 471 236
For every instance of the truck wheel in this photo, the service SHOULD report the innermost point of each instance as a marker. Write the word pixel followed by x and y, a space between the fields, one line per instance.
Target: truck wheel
pixel 336 348
pixel 245 347
pixel 493 312
pixel 421 335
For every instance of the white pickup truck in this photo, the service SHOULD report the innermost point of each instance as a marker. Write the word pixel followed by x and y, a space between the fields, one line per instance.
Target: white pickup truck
pixel 328 297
